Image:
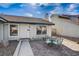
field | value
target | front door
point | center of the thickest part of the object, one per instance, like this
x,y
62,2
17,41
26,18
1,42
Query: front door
x,y
24,31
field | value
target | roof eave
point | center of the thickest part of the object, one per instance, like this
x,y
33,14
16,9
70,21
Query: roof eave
x,y
2,19
31,23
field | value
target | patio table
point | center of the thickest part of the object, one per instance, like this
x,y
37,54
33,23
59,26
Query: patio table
x,y
52,41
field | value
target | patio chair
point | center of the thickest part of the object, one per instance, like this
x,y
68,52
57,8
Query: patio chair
x,y
54,41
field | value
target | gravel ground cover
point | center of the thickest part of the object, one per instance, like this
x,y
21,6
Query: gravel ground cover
x,y
40,48
8,51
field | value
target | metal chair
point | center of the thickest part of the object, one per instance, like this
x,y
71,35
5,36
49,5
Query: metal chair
x,y
54,41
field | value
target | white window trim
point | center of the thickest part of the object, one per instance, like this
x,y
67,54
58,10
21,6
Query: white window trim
x,y
9,29
41,34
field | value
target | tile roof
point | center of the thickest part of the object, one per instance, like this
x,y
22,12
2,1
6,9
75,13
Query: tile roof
x,y
22,19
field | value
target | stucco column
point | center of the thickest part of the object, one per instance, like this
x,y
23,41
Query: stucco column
x,y
1,32
5,35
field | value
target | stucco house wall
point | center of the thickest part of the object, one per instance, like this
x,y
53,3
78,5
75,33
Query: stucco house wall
x,y
65,28
26,28
49,30
23,31
1,31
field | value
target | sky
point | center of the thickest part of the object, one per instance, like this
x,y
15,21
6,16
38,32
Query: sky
x,y
38,10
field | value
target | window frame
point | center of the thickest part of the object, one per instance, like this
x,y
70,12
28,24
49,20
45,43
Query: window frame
x,y
41,30
17,30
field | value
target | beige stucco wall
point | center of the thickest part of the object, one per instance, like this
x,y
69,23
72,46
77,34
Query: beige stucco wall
x,y
27,31
23,31
65,27
49,30
32,33
1,32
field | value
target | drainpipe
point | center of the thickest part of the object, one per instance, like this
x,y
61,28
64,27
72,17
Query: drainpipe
x,y
49,17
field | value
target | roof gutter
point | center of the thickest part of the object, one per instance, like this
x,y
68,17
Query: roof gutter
x,y
30,23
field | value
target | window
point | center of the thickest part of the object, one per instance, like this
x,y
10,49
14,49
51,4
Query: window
x,y
41,30
44,30
13,30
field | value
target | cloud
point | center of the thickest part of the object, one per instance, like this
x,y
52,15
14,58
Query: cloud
x,y
57,10
72,7
33,4
28,14
5,5
38,4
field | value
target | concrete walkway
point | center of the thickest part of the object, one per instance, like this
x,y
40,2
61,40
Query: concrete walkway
x,y
24,49
71,44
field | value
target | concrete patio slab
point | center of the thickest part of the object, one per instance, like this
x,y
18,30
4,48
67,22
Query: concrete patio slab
x,y
40,48
71,44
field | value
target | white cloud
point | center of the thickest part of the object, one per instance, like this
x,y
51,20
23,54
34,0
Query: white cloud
x,y
72,7
38,4
57,10
33,4
28,14
71,10
5,5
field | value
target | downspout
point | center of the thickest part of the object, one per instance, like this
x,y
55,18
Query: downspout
x,y
48,17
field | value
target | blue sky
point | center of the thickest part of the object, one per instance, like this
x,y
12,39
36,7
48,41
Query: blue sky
x,y
38,10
